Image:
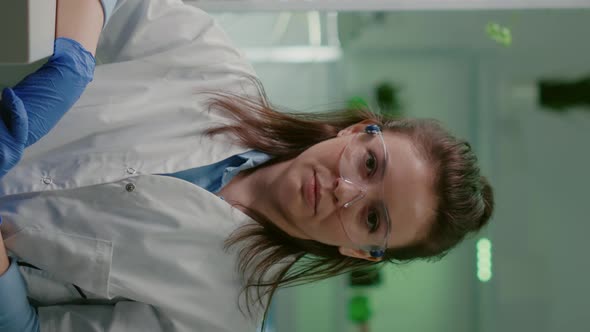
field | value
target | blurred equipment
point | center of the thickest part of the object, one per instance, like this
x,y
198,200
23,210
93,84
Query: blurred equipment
x,y
387,98
359,310
368,276
27,30
560,95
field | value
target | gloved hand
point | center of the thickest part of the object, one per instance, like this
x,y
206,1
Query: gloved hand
x,y
50,92
14,129
35,105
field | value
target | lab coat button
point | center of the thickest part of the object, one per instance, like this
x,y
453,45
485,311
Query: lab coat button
x,y
46,180
131,170
130,187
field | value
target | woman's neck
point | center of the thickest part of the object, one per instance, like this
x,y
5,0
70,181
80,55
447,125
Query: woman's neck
x,y
248,188
257,191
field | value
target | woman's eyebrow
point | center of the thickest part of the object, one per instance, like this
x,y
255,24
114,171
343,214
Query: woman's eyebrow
x,y
384,164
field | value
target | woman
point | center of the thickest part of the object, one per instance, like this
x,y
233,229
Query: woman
x,y
172,170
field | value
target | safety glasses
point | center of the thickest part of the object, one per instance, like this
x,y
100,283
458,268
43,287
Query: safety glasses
x,y
363,215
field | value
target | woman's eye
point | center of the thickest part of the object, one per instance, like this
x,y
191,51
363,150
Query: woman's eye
x,y
371,163
373,221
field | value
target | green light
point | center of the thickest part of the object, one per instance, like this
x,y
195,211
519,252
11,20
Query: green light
x,y
484,244
499,34
483,255
484,260
484,276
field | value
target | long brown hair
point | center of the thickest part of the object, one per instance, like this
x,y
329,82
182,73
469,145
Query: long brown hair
x,y
271,258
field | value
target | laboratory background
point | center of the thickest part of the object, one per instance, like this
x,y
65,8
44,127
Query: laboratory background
x,y
512,77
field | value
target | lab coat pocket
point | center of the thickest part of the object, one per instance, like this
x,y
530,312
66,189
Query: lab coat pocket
x,y
80,260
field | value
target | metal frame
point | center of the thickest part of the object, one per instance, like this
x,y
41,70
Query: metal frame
x,y
380,5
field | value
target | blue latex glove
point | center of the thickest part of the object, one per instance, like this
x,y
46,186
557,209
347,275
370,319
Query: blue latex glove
x,y
14,129
35,105
50,92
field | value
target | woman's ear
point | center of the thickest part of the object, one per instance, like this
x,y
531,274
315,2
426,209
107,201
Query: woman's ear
x,y
357,253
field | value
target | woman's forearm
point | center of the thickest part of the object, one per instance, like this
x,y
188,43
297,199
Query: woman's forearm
x,y
80,20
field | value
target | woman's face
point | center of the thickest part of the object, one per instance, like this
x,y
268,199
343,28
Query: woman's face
x,y
406,193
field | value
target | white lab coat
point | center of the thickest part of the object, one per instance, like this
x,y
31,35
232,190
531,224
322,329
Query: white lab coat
x,y
86,205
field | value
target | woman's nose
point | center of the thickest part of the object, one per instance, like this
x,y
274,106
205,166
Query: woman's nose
x,y
348,193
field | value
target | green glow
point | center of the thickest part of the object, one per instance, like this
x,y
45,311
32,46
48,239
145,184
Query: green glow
x,y
484,276
484,244
499,34
484,260
483,255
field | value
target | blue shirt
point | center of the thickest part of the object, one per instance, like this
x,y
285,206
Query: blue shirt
x,y
215,176
16,314
107,9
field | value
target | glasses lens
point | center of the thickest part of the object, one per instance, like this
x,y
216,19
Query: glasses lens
x,y
363,213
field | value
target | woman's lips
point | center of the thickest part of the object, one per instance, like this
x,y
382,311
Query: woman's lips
x,y
310,193
317,192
